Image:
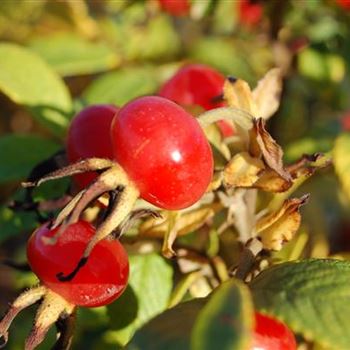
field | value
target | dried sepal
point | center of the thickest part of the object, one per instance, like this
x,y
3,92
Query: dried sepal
x,y
267,94
51,309
23,301
279,227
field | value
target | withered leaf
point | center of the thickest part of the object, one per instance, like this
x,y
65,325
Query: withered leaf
x,y
280,226
270,181
271,152
237,93
267,93
242,170
185,223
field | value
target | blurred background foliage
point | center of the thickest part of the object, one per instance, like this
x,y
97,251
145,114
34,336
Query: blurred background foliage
x,y
58,56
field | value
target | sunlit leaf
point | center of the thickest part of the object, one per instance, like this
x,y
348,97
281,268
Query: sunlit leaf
x,y
267,93
29,81
70,54
121,86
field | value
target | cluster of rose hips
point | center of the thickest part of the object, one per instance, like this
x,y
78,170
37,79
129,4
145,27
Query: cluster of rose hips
x,y
151,148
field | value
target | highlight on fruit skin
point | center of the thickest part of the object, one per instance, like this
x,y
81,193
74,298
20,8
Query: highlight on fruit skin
x,y
102,280
161,154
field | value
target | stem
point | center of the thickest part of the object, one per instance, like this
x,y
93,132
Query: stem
x,y
65,326
243,118
247,258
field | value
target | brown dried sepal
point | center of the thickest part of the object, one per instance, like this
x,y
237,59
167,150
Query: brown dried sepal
x,y
52,308
276,228
264,146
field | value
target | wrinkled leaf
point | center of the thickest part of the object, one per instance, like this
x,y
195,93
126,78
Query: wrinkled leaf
x,y
226,321
267,93
20,153
341,158
280,226
311,296
27,80
271,152
71,54
150,286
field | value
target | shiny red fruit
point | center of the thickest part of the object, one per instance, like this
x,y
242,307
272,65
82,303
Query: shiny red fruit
x,y
99,282
89,136
270,334
195,84
198,84
164,151
345,4
175,7
249,12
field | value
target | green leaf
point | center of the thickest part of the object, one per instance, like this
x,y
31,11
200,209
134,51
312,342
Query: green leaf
x,y
341,160
311,296
70,54
171,330
147,295
27,80
121,86
14,223
19,154
226,321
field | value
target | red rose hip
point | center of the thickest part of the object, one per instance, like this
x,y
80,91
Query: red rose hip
x,y
197,84
99,282
89,136
271,334
164,151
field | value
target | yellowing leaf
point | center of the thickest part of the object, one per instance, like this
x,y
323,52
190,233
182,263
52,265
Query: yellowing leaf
x,y
267,93
237,93
242,170
278,227
185,223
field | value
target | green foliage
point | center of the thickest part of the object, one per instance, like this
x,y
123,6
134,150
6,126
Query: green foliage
x,y
222,320
311,296
226,321
20,153
27,80
147,295
70,54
